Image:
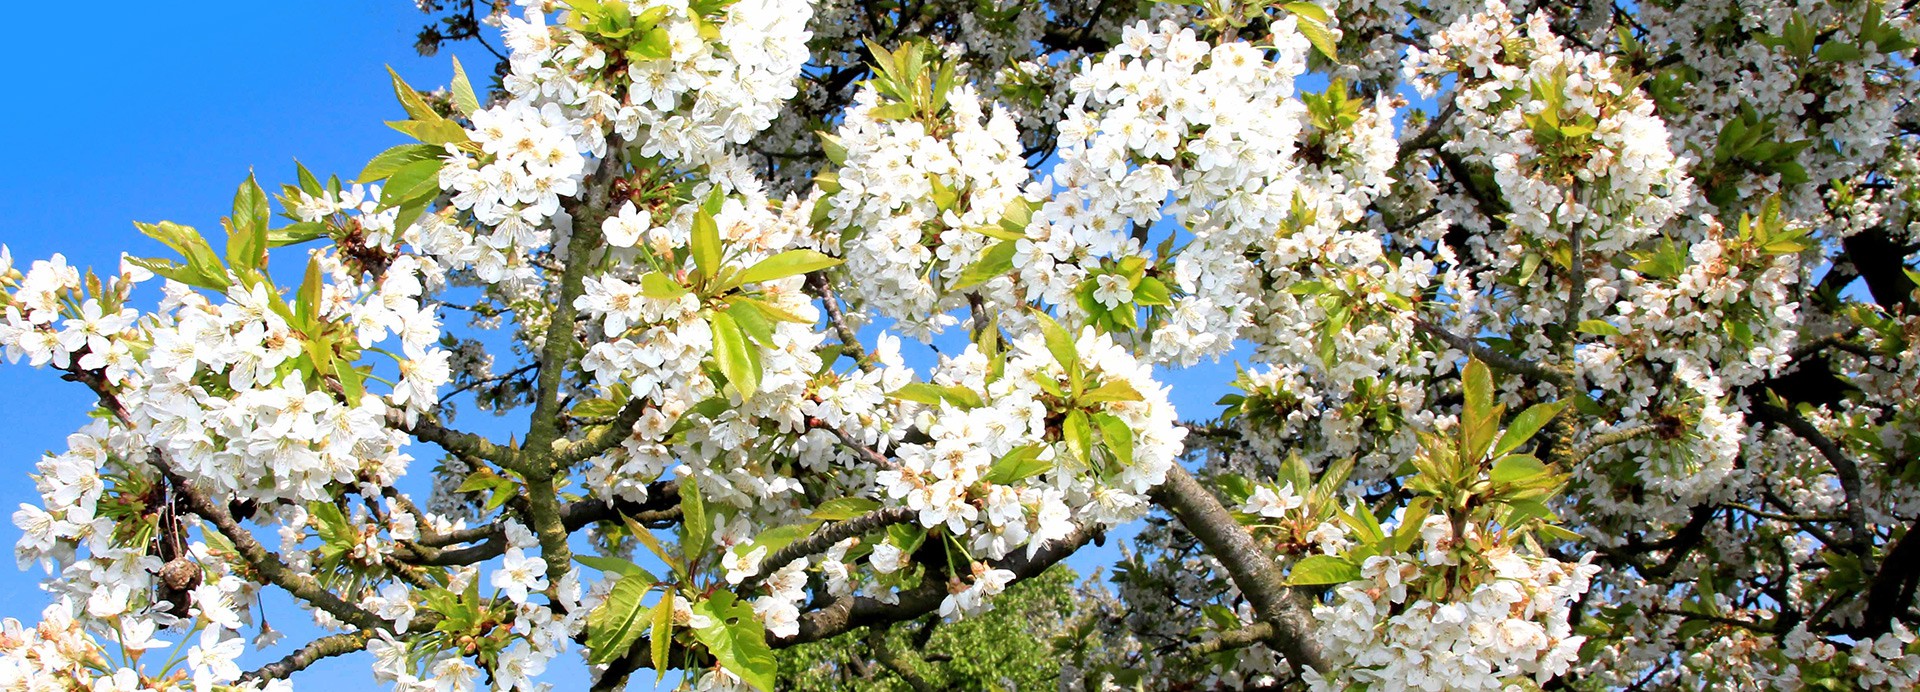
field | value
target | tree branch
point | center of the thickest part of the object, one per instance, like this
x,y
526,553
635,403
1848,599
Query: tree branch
x,y
322,648
1233,639
824,538
1843,466
1538,371
1249,566
428,428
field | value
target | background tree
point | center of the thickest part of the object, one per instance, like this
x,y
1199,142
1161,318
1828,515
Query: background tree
x,y
1595,372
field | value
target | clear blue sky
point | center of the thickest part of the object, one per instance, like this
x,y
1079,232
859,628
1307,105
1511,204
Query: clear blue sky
x,y
155,111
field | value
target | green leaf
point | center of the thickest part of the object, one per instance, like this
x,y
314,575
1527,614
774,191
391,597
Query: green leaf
x,y
1517,468
659,286
1077,432
1060,343
695,525
835,150
786,264
780,537
434,132
1152,291
706,244
1477,418
417,180
733,354
1364,523
1320,36
933,394
769,310
995,263
463,97
1018,464
646,538
706,410
1597,328
296,233
1111,390
392,160
614,565
1117,436
736,640
1319,570
753,323
656,44
1838,51
615,625
410,100
1526,425
844,508
1307,10
662,634
998,233
247,228
202,267
596,408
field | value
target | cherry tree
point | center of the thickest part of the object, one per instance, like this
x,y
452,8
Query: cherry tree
x,y
1578,349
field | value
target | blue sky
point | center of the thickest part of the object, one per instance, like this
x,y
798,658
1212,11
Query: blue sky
x,y
156,111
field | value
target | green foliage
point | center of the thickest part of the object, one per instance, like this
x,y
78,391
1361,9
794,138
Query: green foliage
x,y
1008,648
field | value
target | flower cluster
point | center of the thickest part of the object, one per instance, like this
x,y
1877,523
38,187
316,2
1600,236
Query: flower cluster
x,y
910,200
1383,633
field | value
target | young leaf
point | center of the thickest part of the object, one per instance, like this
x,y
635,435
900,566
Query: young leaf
x,y
1477,418
392,160
735,638
706,244
731,353
844,508
1151,292
786,264
614,565
1319,35
463,97
1118,437
1111,390
1077,432
416,107
1016,465
646,538
1319,570
662,636
1060,343
995,263
1526,425
696,525
247,229
613,627
1517,469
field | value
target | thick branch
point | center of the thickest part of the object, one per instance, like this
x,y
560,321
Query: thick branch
x,y
601,438
1233,639
844,614
661,506
1843,466
1604,440
819,541
460,444
1538,371
324,647
1252,570
558,339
